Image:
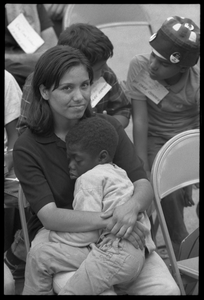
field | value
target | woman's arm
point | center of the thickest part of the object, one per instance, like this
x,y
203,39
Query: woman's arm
x,y
60,219
125,215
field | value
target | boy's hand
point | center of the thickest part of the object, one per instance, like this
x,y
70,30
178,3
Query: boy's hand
x,y
188,200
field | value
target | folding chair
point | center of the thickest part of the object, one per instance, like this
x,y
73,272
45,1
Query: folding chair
x,y
129,38
126,25
98,14
59,279
176,165
188,262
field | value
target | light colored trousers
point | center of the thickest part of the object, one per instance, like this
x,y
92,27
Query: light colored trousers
x,y
46,259
111,263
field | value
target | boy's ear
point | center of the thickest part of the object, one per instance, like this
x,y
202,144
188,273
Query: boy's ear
x,y
183,69
104,157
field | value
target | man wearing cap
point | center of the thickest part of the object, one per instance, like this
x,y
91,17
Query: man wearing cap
x,y
164,90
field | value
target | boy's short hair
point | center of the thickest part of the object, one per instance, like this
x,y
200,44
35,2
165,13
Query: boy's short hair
x,y
93,135
178,40
89,39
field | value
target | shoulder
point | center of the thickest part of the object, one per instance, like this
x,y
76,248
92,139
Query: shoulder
x,y
109,75
139,62
110,119
195,72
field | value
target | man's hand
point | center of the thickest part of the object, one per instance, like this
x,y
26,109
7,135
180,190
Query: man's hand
x,y
188,200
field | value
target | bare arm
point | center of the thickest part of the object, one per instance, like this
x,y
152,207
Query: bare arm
x,y
59,219
12,135
125,215
122,119
140,130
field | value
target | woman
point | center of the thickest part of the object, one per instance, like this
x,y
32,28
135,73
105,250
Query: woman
x,y
61,88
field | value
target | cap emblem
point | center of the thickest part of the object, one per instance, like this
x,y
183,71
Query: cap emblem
x,y
189,26
175,57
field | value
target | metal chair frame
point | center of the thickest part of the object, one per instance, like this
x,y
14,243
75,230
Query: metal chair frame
x,y
176,165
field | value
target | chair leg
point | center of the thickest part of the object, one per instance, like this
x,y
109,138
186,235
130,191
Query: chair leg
x,y
153,232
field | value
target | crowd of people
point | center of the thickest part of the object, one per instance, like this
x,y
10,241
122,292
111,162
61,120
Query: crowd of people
x,y
87,184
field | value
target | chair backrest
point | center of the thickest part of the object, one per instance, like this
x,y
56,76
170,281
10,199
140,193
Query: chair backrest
x,y
126,25
22,204
176,165
190,246
98,14
128,39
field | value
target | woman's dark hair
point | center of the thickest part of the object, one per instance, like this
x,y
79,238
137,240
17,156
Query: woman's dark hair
x,y
93,135
49,69
89,39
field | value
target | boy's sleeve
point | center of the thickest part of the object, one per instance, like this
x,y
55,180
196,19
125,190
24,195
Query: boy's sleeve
x,y
132,91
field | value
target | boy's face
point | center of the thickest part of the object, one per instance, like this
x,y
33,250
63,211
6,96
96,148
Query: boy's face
x,y
98,69
80,161
161,69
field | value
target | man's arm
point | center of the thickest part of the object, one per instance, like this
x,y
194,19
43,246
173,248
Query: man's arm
x,y
140,130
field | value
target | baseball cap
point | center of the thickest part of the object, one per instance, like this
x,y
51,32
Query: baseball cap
x,y
178,40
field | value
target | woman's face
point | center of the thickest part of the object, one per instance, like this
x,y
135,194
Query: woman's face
x,y
69,101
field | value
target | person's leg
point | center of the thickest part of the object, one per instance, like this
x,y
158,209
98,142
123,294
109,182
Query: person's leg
x,y
172,205
154,279
104,267
9,283
45,259
173,209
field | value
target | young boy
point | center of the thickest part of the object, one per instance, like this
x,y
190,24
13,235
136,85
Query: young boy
x,y
100,186
164,91
97,47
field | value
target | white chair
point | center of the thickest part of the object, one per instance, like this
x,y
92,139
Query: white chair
x,y
98,14
129,38
126,25
60,279
176,165
188,262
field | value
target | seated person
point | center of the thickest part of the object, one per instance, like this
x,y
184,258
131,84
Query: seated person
x,y
17,62
60,73
100,186
12,101
9,282
56,13
170,107
97,47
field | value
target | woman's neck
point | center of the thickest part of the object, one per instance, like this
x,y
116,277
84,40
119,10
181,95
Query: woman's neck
x,y
61,129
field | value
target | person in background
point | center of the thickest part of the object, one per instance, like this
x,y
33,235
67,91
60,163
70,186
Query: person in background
x,y
56,13
9,282
97,47
17,62
100,186
164,87
61,98
12,100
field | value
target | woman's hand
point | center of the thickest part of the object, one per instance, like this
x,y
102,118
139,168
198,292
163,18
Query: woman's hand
x,y
122,220
188,200
137,236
